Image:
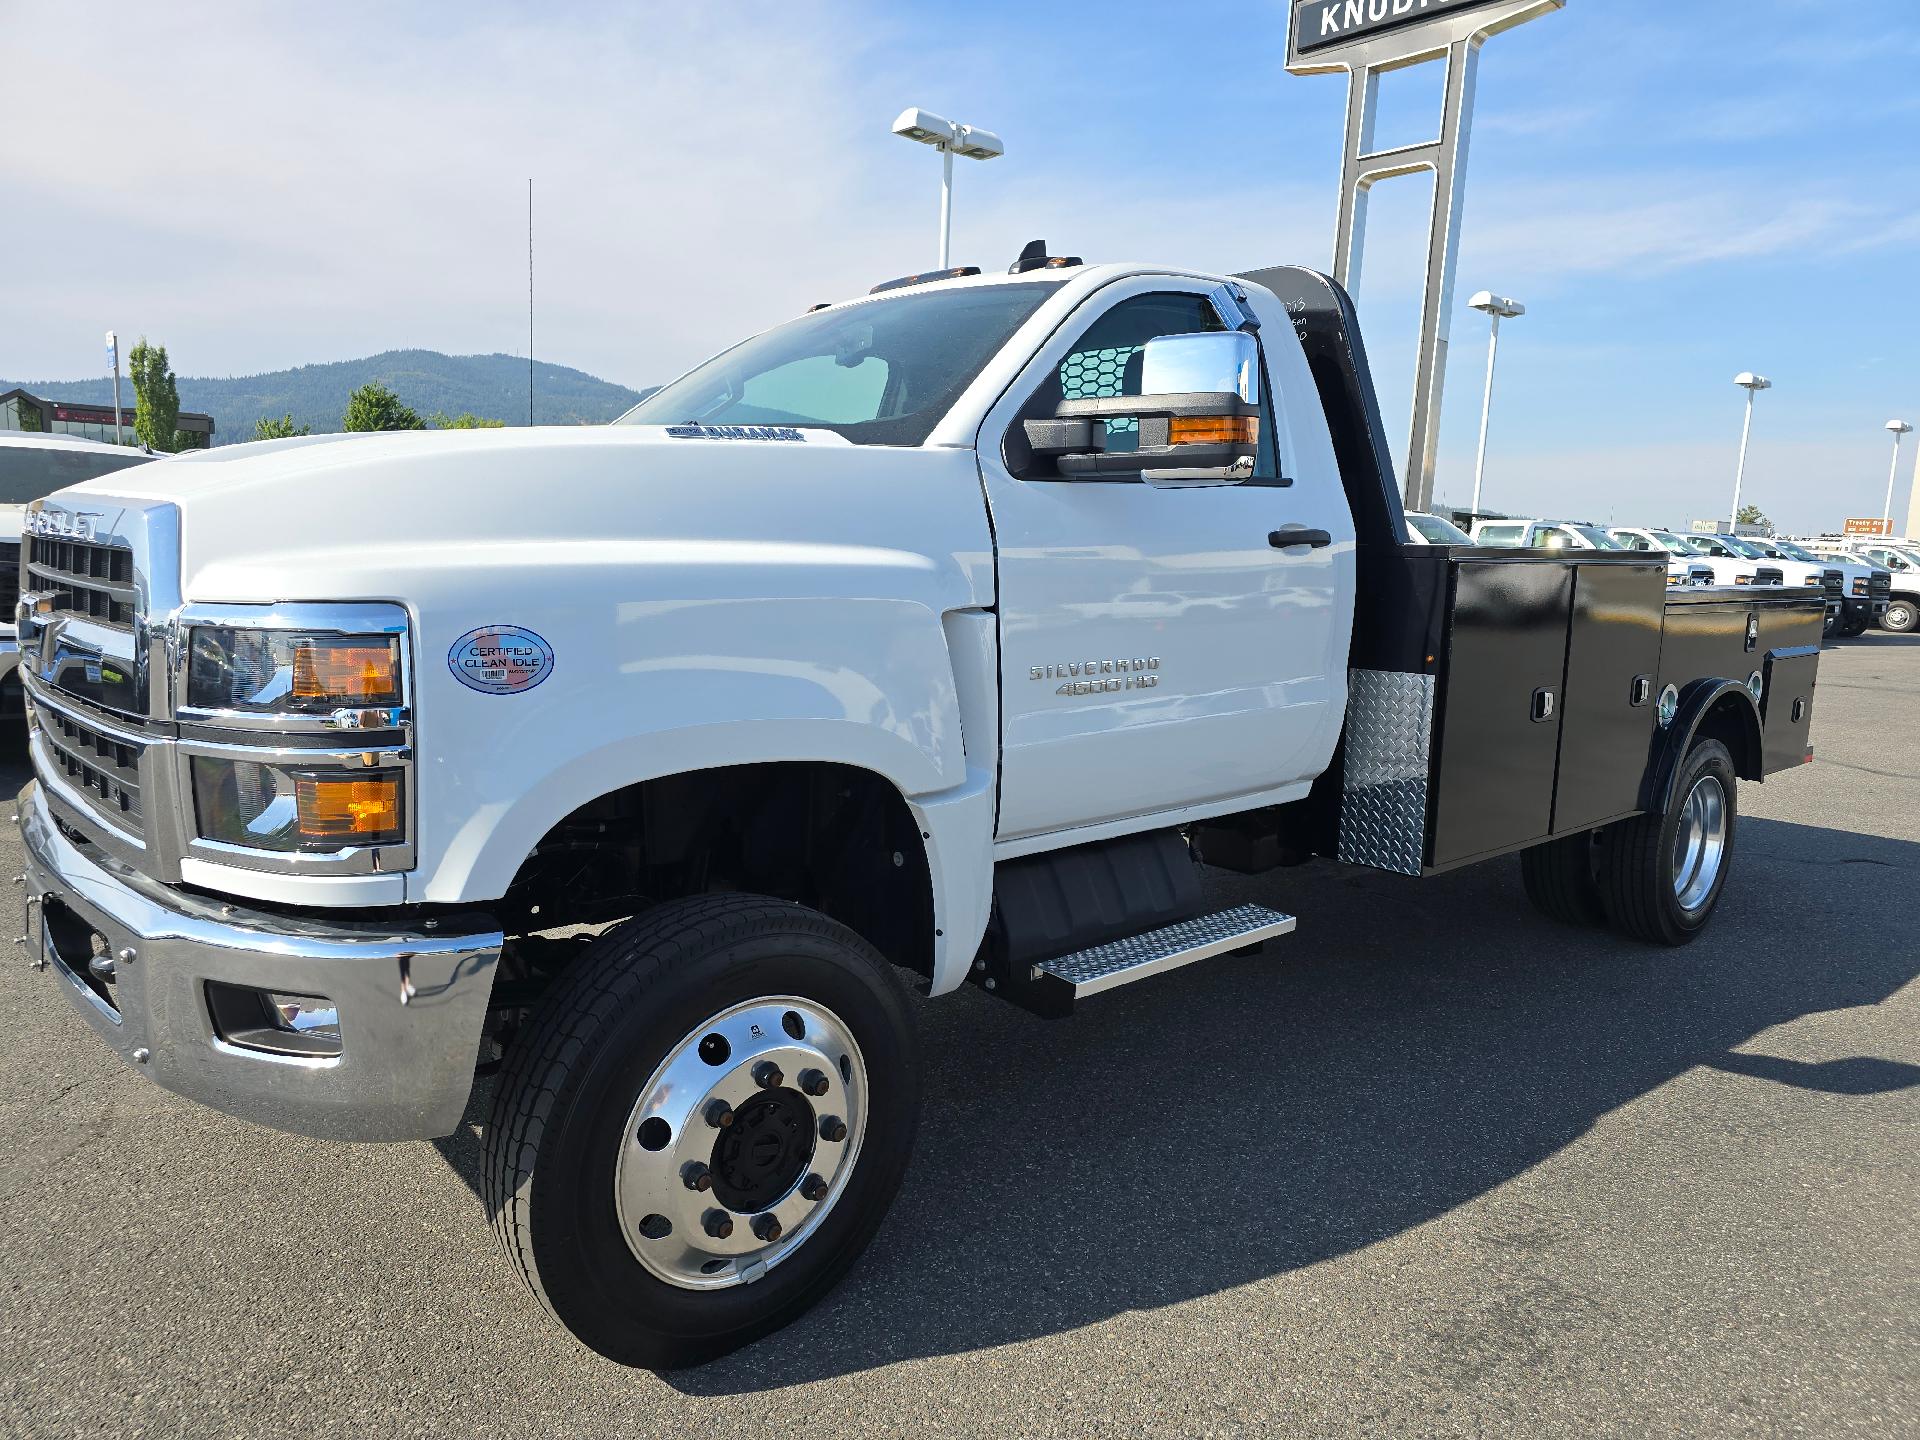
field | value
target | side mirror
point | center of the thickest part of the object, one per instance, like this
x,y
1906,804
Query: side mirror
x,y
1199,416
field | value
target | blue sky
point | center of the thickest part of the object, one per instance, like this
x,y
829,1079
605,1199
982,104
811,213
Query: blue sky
x,y
1677,190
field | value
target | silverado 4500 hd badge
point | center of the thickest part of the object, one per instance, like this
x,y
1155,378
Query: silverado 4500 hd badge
x,y
1101,677
500,660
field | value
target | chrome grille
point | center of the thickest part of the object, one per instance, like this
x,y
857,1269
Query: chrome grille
x,y
84,578
103,767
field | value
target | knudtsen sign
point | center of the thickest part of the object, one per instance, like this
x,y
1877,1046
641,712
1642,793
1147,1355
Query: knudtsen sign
x,y
1318,24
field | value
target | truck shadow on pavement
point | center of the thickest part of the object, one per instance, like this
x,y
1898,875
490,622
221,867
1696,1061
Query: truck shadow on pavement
x,y
1414,1046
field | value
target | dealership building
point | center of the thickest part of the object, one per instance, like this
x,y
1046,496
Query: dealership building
x,y
21,411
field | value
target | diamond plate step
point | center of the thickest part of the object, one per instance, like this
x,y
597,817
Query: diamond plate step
x,y
1121,962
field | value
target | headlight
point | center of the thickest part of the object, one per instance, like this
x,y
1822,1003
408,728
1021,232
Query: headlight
x,y
292,808
284,672
1859,587
1743,579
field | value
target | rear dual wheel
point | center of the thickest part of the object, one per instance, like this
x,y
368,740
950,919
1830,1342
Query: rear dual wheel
x,y
1656,877
702,1126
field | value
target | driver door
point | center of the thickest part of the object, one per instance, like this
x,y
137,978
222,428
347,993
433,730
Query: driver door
x,y
1159,655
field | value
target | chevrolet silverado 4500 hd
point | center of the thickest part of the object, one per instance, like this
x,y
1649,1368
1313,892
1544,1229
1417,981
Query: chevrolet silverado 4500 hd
x,y
947,631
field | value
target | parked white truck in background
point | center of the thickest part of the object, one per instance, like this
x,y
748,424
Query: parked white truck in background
x,y
951,629
1895,569
1861,588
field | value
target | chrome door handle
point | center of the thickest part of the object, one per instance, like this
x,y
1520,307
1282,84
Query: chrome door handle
x,y
1287,537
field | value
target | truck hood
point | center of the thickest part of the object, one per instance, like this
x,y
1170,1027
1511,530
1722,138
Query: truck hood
x,y
372,516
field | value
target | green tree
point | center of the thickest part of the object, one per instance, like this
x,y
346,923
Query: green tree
x,y
266,428
1753,515
374,407
440,420
156,397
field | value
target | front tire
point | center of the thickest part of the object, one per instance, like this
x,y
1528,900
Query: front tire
x,y
1661,875
648,1225
1902,616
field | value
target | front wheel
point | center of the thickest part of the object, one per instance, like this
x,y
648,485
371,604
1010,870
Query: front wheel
x,y
1902,616
703,1126
1661,875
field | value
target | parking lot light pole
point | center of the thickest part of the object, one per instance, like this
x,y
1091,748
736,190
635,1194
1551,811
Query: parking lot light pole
x,y
1901,429
1499,308
1753,384
923,127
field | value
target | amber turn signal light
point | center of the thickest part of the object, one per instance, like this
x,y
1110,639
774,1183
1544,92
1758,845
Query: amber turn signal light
x,y
1213,430
333,670
345,809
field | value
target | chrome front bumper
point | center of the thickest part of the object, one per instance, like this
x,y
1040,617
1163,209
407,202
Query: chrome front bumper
x,y
404,1070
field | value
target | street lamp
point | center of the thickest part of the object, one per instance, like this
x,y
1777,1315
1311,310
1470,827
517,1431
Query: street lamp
x,y
926,128
1901,429
1753,384
1499,308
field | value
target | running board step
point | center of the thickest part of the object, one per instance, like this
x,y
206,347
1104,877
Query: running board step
x,y
1121,962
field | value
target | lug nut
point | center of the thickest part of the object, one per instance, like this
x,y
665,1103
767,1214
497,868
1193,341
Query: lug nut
x,y
832,1127
697,1177
813,1188
767,1075
767,1227
813,1082
718,1224
719,1114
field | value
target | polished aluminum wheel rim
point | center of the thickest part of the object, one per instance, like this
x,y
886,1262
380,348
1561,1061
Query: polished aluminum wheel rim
x,y
671,1142
1700,843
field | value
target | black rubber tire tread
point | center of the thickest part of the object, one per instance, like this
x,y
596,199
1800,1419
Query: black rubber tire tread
x,y
617,974
1559,880
1636,857
1899,607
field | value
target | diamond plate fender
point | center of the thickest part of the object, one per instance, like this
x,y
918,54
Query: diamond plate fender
x,y
1383,800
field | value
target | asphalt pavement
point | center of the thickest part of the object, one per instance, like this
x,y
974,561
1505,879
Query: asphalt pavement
x,y
1430,1167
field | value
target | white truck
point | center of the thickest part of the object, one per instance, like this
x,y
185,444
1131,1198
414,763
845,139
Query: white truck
x,y
1861,588
1729,567
1895,571
948,631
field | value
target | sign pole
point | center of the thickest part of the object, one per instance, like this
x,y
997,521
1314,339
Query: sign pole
x,y
1366,39
113,357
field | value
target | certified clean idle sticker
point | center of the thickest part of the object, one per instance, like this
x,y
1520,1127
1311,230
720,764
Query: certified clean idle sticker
x,y
500,659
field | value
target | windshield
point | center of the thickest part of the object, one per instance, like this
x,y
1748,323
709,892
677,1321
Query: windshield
x,y
1436,531
28,472
1788,551
1672,543
879,372
1600,538
1745,549
1708,545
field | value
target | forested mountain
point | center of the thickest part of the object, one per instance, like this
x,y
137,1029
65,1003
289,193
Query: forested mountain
x,y
492,386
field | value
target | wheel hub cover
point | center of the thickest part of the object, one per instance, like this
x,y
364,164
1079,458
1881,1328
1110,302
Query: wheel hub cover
x,y
762,1155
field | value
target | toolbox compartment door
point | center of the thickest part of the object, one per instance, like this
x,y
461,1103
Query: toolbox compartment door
x,y
1786,712
1505,664
1613,659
